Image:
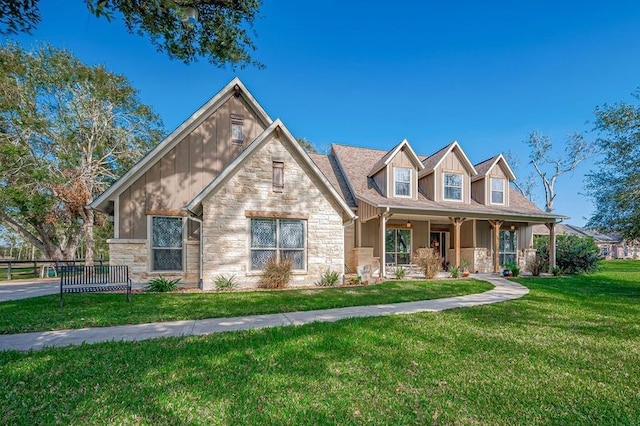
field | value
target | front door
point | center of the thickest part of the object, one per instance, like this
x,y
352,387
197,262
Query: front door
x,y
438,241
398,246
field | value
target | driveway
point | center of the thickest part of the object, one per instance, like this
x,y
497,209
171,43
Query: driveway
x,y
22,289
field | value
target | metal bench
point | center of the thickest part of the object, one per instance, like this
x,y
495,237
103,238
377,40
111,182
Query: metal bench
x,y
84,279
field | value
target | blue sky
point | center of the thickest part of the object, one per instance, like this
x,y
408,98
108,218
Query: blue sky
x,y
369,73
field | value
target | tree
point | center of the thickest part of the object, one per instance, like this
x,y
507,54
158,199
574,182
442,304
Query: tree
x,y
307,145
615,185
221,32
549,164
526,186
67,131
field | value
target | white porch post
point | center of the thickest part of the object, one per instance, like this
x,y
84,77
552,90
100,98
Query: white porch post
x,y
552,245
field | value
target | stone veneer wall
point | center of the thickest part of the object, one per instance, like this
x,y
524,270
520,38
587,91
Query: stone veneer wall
x,y
226,237
135,254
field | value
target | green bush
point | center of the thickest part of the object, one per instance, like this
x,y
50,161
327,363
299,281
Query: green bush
x,y
162,285
276,274
222,282
454,271
574,255
399,273
514,268
328,279
429,261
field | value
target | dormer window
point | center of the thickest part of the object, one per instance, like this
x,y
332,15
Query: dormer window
x,y
402,182
497,191
453,186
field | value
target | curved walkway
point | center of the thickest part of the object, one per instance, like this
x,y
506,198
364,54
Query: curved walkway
x,y
504,290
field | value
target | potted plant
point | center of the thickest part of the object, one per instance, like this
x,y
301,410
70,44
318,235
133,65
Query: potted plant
x,y
464,268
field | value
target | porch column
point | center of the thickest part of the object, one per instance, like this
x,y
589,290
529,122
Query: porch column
x,y
457,222
383,255
496,224
358,242
552,245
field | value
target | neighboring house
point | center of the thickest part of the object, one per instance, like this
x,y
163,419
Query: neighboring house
x,y
612,246
231,188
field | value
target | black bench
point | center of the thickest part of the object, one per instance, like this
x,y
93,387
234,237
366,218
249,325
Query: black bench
x,y
83,279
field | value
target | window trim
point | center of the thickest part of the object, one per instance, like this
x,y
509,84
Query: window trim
x,y
504,192
278,249
410,182
151,248
444,187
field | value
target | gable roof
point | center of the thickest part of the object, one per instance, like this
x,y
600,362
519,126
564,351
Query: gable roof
x,y
329,166
483,168
285,137
234,88
433,161
386,159
356,161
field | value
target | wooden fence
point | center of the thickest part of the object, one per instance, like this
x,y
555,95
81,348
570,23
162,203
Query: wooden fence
x,y
16,269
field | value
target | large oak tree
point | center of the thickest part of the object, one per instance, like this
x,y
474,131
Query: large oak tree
x,y
67,131
222,31
615,184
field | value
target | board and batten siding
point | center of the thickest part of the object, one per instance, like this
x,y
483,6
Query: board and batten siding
x,y
497,172
185,170
452,163
401,159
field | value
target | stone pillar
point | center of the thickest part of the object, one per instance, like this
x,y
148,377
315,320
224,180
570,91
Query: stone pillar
x,y
496,224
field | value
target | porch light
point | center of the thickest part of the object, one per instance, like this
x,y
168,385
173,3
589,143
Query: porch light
x,y
512,228
409,224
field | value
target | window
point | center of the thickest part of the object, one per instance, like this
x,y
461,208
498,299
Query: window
x,y
497,191
402,182
277,239
278,176
398,247
453,186
166,243
508,247
237,136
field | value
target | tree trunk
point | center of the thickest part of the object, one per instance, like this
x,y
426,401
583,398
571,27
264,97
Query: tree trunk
x,y
88,236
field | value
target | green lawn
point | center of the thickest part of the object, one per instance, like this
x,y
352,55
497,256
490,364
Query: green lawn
x,y
93,310
567,353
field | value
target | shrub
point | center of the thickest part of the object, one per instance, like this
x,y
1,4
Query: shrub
x,y
429,261
454,271
222,282
400,273
162,285
329,279
464,265
536,266
556,271
514,268
356,280
276,274
574,255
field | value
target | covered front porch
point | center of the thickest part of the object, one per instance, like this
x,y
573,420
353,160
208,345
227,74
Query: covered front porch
x,y
384,238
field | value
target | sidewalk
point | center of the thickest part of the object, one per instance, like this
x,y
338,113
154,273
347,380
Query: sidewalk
x,y
504,290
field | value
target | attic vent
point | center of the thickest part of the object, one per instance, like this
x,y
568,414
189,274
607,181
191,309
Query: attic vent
x,y
237,136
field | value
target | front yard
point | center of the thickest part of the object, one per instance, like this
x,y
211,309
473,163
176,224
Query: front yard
x,y
99,310
567,353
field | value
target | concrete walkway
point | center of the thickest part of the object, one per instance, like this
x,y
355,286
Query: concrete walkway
x,y
504,290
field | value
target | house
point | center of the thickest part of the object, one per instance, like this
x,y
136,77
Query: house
x,y
231,188
612,246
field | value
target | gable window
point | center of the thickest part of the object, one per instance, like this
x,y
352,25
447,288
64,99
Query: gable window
x,y
237,136
277,239
402,182
166,243
278,176
453,186
497,191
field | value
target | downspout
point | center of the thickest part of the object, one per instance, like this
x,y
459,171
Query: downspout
x,y
192,216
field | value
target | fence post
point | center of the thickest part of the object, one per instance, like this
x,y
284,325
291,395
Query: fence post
x,y
9,271
35,268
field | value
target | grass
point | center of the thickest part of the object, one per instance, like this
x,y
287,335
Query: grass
x,y
18,273
97,310
567,353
